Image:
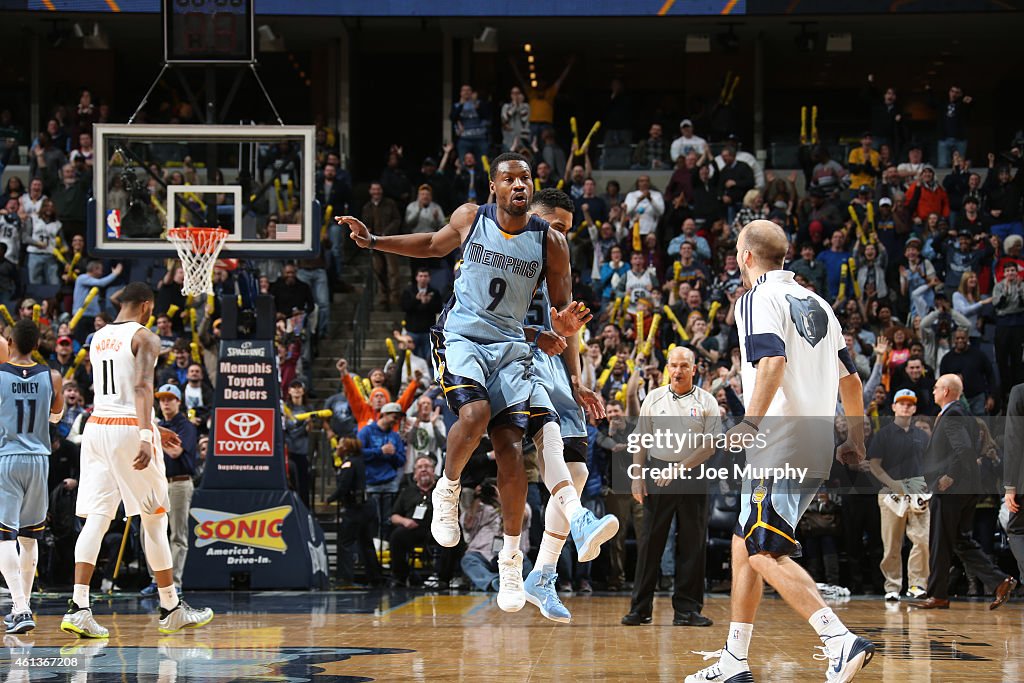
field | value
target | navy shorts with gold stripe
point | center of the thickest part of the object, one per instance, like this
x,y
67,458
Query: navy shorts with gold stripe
x,y
23,495
498,373
769,512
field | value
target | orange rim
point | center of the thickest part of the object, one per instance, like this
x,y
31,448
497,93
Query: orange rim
x,y
203,240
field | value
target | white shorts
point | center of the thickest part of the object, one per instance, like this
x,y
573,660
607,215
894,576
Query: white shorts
x,y
108,477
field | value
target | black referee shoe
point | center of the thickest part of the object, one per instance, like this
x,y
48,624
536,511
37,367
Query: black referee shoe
x,y
691,619
635,619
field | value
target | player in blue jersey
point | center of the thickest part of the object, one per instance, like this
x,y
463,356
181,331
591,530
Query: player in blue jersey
x,y
560,434
480,346
31,398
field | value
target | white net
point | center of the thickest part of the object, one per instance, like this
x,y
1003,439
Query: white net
x,y
198,249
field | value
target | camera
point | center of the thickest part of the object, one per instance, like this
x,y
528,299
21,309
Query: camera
x,y
488,493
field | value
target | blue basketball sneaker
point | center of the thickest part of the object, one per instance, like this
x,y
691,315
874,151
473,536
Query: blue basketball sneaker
x,y
540,586
589,532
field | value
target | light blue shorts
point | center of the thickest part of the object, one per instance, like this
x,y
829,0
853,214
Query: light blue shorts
x,y
552,391
24,498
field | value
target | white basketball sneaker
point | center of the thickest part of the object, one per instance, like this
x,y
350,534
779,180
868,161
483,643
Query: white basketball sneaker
x,y
728,669
511,593
846,654
444,524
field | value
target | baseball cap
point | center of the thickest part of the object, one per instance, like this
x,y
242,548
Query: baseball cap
x,y
913,239
429,161
864,189
965,233
391,408
885,201
64,339
28,303
905,395
686,122
168,391
927,167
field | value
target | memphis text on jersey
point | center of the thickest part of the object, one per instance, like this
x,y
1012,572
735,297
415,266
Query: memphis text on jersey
x,y
485,257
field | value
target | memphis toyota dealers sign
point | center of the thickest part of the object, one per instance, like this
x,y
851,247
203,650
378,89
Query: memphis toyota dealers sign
x,y
247,442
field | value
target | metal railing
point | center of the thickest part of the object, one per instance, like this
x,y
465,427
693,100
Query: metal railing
x,y
361,322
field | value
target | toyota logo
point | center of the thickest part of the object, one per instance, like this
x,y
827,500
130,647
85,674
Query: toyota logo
x,y
244,425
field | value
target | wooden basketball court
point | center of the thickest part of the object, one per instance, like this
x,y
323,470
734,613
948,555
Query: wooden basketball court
x,y
410,636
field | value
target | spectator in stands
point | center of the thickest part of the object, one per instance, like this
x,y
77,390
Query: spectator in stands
x,y
421,304
424,433
515,122
334,195
836,261
886,117
384,455
64,355
811,268
1008,301
915,273
394,182
359,521
69,199
381,217
342,423
470,182
482,526
863,163
688,233
652,153
296,438
828,174
42,266
753,209
46,160
891,187
542,99
612,272
687,142
970,218
975,371
925,196
735,179
313,272
909,169
1004,197
1013,474
290,293
181,463
197,396
590,208
952,121
645,205
368,411
913,378
8,277
470,117
1011,253
93,277
424,215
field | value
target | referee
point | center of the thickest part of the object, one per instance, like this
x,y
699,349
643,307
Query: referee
x,y
675,407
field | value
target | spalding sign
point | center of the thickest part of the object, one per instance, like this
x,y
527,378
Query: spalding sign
x,y
244,431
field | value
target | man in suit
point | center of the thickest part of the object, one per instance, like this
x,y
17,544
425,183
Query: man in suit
x,y
951,471
1013,472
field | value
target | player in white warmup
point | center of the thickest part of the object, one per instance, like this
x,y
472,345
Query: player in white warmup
x,y
794,363
122,461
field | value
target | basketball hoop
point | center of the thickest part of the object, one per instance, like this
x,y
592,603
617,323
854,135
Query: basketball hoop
x,y
198,249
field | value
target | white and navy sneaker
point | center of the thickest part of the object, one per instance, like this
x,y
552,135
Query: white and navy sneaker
x,y
22,622
540,588
9,620
589,532
846,654
728,669
444,524
183,616
916,592
511,594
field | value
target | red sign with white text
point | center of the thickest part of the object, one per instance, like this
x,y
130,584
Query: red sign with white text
x,y
244,431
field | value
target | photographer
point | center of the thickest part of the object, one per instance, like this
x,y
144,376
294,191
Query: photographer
x,y
937,330
482,527
410,516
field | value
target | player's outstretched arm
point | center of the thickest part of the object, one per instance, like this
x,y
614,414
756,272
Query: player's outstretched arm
x,y
567,316
57,406
418,245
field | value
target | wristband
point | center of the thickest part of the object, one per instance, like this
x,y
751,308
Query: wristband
x,y
373,241
146,435
751,424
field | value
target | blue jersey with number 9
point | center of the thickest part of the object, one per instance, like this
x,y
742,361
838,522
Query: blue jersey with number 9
x,y
496,280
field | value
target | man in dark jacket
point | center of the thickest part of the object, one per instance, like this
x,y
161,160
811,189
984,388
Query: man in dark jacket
x,y
410,517
1013,472
975,369
382,217
359,521
734,179
951,471
421,304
